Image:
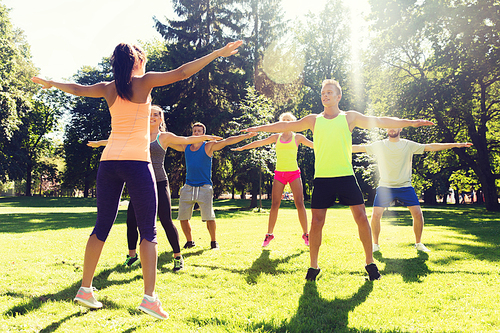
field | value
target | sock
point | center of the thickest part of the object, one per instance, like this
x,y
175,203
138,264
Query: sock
x,y
87,290
150,298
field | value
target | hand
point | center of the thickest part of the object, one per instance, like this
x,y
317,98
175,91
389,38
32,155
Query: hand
x,y
93,144
45,84
464,145
230,49
421,122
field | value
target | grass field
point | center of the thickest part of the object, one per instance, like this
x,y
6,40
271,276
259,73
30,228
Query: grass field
x,y
245,288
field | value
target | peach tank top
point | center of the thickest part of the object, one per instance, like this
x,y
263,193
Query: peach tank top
x,y
129,139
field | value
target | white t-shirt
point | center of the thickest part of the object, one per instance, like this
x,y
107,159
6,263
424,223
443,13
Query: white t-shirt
x,y
394,160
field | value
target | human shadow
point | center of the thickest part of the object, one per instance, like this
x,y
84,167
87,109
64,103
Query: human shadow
x,y
316,314
101,281
262,265
466,220
411,269
55,325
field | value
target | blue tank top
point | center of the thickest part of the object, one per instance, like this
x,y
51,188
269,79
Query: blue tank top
x,y
198,167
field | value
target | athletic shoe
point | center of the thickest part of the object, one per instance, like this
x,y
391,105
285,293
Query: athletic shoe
x,y
178,263
305,237
87,299
373,273
421,247
214,245
131,261
376,248
153,308
312,273
189,244
267,240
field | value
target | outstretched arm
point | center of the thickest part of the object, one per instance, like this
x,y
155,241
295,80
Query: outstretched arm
x,y
358,149
284,126
96,144
229,141
259,143
95,90
443,146
157,79
170,139
356,119
305,141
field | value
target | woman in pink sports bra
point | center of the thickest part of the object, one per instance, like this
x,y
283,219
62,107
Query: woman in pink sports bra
x,y
287,171
126,159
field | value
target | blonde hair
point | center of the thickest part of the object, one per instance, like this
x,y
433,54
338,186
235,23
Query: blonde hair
x,y
287,116
200,125
163,126
334,83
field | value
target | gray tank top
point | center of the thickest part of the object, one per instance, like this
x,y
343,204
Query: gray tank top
x,y
158,160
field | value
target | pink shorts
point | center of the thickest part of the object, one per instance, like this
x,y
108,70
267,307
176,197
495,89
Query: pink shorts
x,y
286,177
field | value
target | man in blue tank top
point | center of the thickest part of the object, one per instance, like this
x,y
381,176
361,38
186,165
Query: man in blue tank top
x,y
198,187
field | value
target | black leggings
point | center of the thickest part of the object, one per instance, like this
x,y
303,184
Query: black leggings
x,y
165,213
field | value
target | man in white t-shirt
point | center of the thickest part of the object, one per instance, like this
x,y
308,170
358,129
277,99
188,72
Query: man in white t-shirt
x,y
394,159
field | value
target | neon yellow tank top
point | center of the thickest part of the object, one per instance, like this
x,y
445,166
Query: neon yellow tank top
x,y
286,155
332,147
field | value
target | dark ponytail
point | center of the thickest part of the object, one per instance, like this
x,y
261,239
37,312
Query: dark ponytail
x,y
122,61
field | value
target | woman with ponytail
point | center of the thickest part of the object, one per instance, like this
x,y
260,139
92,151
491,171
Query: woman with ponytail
x,y
126,159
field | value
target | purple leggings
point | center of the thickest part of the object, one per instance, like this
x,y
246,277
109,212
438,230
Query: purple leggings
x,y
165,214
139,177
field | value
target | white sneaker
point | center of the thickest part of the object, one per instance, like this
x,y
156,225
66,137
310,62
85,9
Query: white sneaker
x,y
376,248
421,247
87,299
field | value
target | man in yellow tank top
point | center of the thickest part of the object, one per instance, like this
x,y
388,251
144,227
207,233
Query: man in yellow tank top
x,y
334,176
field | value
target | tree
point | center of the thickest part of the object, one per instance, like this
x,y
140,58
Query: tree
x,y
440,60
89,120
252,166
208,96
16,93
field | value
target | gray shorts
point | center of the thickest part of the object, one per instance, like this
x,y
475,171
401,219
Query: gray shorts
x,y
203,195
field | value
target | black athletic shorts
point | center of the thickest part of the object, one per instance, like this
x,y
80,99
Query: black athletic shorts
x,y
327,190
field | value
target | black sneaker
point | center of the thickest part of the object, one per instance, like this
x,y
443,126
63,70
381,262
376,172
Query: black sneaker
x,y
131,261
189,244
178,263
373,273
312,273
214,245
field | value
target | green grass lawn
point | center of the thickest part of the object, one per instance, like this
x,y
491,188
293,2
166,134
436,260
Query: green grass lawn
x,y
245,288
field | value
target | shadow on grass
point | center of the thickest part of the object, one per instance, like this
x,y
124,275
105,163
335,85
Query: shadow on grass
x,y
262,265
46,202
101,281
411,270
466,220
21,223
316,314
55,325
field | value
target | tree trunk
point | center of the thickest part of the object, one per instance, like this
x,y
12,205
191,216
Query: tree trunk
x,y
430,196
27,191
